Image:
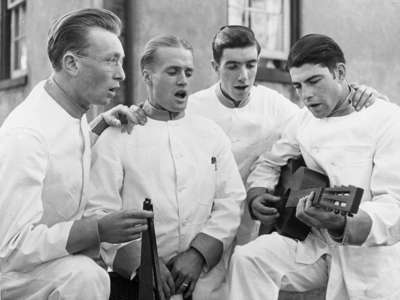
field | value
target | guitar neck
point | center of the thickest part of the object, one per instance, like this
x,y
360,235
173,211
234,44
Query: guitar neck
x,y
345,200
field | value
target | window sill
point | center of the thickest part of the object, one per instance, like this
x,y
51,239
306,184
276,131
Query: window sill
x,y
6,84
273,75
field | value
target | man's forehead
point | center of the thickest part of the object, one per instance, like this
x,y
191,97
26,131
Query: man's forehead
x,y
308,70
174,57
102,40
239,54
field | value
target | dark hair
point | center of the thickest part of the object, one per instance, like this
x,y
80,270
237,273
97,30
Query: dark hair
x,y
233,36
69,32
315,49
148,55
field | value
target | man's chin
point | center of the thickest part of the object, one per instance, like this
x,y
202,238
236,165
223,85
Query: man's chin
x,y
318,115
105,101
240,96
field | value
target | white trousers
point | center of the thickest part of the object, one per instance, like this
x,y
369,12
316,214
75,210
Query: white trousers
x,y
266,265
70,277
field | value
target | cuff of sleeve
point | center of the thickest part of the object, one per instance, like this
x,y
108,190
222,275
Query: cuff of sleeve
x,y
84,238
340,238
251,195
98,125
127,259
209,247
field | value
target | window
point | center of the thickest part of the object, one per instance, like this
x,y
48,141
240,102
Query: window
x,y
13,50
17,38
275,24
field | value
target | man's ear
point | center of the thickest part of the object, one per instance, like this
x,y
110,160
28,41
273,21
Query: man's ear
x,y
215,65
341,71
70,64
147,76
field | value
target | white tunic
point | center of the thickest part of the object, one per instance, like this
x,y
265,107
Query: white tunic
x,y
187,169
44,166
360,149
252,128
44,171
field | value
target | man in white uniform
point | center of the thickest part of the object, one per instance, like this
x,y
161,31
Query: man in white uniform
x,y
354,257
185,166
253,116
45,246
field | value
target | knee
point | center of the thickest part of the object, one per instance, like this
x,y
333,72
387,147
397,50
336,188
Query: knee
x,y
85,274
90,273
265,246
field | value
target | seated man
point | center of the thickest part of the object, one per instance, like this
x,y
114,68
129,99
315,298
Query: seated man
x,y
240,107
355,257
185,166
45,245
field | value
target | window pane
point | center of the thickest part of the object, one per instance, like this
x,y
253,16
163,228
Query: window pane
x,y
270,21
237,12
267,23
23,60
18,42
16,22
16,65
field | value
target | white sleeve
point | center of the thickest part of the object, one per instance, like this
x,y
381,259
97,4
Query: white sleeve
x,y
24,242
284,110
266,169
384,209
230,194
106,180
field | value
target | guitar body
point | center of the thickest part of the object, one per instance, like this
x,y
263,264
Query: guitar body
x,y
295,182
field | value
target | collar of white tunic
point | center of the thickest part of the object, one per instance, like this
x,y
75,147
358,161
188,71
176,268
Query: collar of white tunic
x,y
58,94
228,101
160,114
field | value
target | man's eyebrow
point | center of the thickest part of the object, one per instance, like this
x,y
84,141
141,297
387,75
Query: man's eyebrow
x,y
312,77
238,62
179,67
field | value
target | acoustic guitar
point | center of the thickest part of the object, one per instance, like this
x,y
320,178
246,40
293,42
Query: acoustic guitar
x,y
297,181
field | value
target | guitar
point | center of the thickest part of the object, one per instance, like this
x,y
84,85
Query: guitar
x,y
297,181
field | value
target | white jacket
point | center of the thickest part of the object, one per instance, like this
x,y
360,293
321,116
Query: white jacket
x,y
185,166
44,171
358,149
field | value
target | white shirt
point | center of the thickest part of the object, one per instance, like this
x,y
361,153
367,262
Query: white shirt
x,y
252,127
359,149
184,166
44,166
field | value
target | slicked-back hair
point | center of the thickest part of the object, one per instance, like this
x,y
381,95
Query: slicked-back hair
x,y
233,36
69,32
315,49
149,53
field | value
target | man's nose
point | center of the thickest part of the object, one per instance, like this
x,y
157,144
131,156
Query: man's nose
x,y
119,73
182,79
244,74
306,93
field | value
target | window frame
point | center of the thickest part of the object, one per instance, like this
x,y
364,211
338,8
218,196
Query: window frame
x,y
248,12
16,8
9,79
279,75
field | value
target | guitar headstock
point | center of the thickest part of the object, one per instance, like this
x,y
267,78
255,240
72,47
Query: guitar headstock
x,y
343,200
